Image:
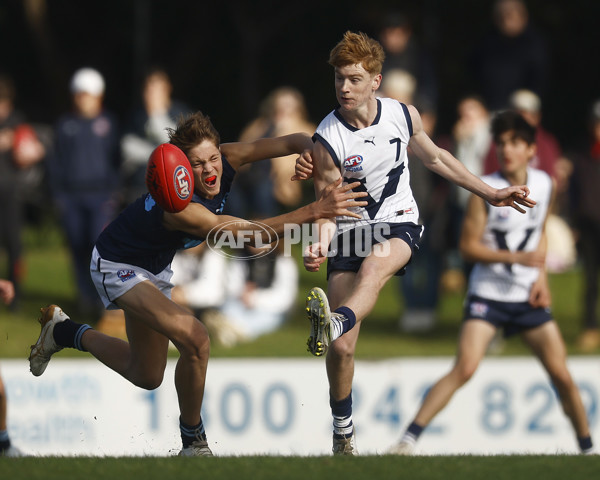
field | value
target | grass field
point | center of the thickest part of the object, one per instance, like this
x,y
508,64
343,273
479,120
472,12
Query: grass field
x,y
313,468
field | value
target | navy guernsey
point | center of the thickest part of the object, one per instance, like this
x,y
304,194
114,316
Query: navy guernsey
x,y
138,237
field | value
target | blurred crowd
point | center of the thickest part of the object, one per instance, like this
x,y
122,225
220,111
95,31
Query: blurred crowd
x,y
89,164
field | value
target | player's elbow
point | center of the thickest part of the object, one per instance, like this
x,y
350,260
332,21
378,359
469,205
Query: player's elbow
x,y
466,251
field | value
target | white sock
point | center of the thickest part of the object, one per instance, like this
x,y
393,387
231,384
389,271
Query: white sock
x,y
343,425
337,325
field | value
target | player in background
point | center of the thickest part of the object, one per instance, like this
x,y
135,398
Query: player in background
x,y
7,294
131,270
365,139
508,286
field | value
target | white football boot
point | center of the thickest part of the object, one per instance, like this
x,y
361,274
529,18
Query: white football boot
x,y
45,346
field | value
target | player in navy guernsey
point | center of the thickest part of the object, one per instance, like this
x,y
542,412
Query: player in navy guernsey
x,y
365,139
508,286
131,270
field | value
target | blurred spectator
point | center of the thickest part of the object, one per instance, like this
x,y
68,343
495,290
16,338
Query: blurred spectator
x,y
420,285
404,52
7,294
399,84
147,129
512,56
20,151
548,152
586,221
200,279
263,188
261,291
84,175
238,299
473,142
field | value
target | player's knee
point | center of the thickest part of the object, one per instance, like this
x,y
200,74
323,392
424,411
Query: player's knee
x,y
562,379
194,341
464,371
371,275
342,348
150,380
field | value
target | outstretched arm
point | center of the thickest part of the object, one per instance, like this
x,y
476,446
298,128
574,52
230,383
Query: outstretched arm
x,y
335,200
325,171
240,153
445,164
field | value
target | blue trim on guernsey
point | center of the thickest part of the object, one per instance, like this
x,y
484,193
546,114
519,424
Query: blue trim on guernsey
x,y
378,116
352,128
316,137
408,119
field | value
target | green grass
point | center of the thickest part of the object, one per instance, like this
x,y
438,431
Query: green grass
x,y
313,468
49,279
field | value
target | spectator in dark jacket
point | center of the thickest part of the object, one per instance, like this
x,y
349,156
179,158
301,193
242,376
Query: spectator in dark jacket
x,y
84,174
512,56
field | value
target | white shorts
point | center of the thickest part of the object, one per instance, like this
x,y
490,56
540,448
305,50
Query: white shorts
x,y
114,279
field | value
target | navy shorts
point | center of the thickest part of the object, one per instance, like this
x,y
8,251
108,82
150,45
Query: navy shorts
x,y
513,317
348,250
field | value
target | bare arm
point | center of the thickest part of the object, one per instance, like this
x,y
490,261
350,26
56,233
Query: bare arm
x,y
540,295
445,164
196,220
473,250
240,153
324,171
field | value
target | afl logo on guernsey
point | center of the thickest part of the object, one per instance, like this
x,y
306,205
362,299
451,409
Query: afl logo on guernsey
x,y
182,182
353,163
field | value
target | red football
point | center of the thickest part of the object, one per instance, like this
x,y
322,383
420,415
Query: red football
x,y
169,178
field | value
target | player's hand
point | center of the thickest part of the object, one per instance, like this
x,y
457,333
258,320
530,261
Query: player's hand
x,y
530,259
304,166
314,255
336,200
513,197
7,291
540,296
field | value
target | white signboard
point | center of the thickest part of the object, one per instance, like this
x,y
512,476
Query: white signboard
x,y
281,407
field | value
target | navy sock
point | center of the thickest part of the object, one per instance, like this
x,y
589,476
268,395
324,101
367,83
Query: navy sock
x,y
68,334
415,430
342,416
349,314
4,440
190,434
585,443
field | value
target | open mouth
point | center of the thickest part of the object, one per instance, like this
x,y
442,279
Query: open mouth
x,y
210,181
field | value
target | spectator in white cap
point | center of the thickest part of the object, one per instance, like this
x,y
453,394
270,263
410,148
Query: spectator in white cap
x,y
87,80
87,87
84,175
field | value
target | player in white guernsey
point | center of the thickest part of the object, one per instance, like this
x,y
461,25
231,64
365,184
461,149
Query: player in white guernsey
x,y
131,268
365,139
508,286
